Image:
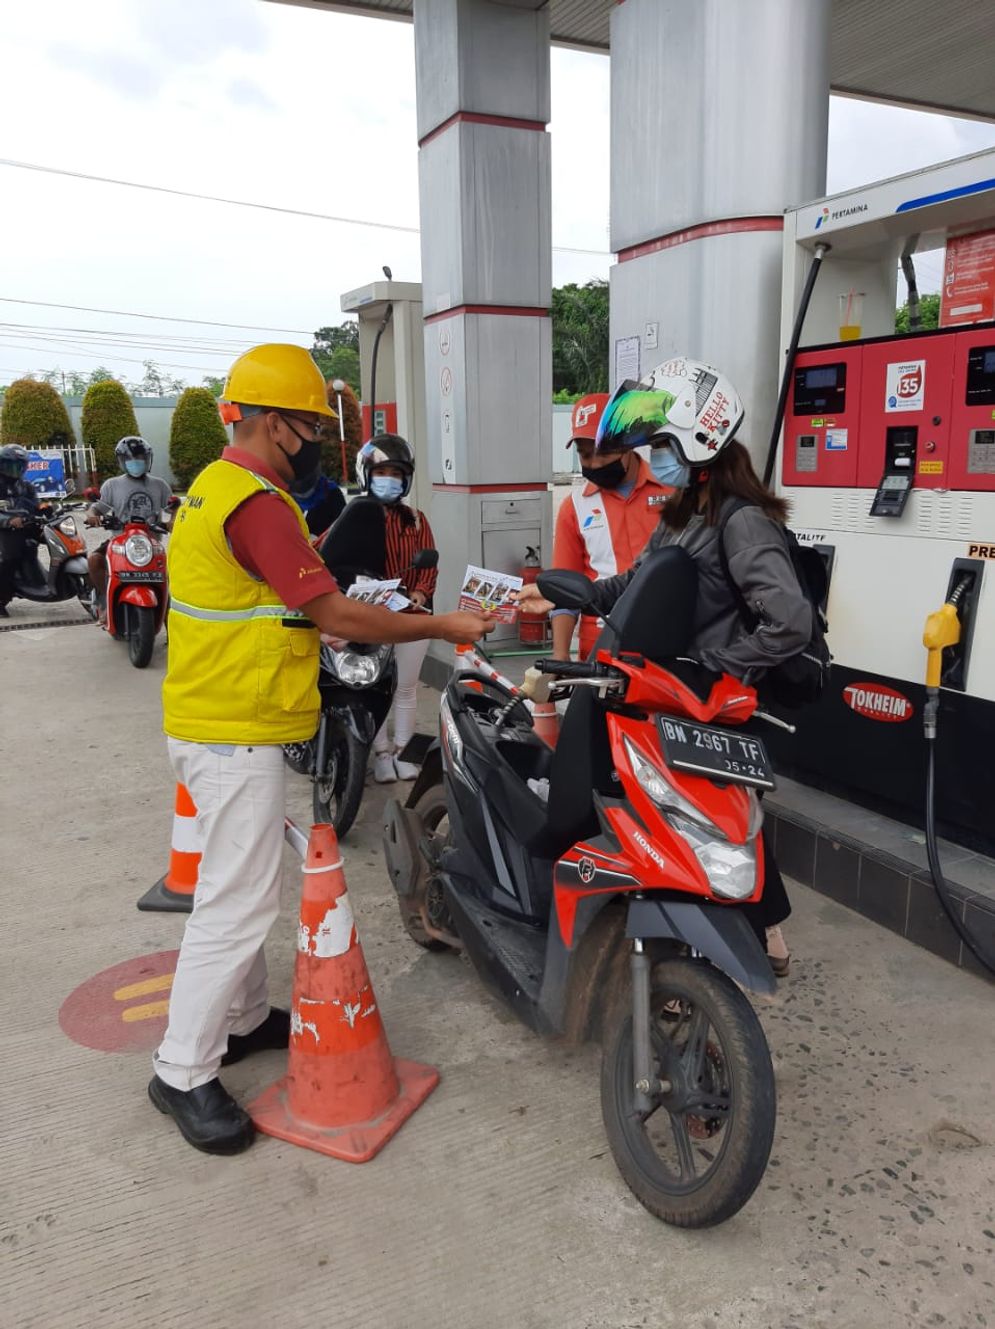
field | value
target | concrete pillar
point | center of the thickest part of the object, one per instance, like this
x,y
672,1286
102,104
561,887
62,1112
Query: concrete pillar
x,y
484,174
719,123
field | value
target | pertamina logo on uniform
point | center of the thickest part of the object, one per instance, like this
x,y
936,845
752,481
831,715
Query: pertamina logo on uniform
x,y
877,702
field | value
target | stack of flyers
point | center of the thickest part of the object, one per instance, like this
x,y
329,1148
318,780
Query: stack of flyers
x,y
378,593
490,592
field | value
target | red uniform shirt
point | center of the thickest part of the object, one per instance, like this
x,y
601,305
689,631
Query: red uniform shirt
x,y
599,532
267,541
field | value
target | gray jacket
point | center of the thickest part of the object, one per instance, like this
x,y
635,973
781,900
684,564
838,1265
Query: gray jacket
x,y
760,566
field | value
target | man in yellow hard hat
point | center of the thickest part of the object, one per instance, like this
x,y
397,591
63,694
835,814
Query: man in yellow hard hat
x,y
249,598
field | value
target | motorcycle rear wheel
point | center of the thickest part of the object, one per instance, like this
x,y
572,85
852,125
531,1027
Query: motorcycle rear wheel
x,y
700,1152
339,792
434,814
141,635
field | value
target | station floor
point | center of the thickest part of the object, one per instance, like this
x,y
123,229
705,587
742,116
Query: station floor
x,y
498,1203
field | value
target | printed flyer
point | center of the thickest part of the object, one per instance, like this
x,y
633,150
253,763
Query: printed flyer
x,y
490,592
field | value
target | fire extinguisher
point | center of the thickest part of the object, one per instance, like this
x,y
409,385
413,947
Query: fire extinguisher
x,y
531,627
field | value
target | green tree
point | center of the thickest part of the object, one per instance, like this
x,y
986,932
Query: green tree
x,y
107,416
328,340
34,415
214,383
157,384
344,363
196,435
580,337
331,448
929,314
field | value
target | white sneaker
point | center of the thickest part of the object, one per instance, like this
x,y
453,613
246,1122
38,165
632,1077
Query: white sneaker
x,y
384,771
406,770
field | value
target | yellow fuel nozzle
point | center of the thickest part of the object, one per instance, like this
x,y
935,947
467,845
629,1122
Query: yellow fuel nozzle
x,y
942,630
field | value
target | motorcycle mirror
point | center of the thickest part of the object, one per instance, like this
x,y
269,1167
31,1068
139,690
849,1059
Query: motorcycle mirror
x,y
70,487
567,590
173,503
426,558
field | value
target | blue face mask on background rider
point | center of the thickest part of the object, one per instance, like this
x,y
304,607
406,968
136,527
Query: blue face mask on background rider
x,y
668,468
136,467
387,488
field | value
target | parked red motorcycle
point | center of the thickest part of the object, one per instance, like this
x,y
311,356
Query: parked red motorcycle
x,y
137,589
611,906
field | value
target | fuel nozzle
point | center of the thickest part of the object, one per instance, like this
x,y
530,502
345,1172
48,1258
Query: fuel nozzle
x,y
942,630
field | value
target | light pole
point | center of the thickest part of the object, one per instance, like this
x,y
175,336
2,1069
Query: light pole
x,y
338,387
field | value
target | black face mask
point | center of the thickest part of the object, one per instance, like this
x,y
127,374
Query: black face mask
x,y
305,463
605,477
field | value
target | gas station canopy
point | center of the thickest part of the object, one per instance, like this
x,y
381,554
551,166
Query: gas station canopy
x,y
911,52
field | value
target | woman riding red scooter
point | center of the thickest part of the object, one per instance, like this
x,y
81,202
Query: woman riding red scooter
x,y
688,413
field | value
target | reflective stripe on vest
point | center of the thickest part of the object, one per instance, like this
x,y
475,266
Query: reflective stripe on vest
x,y
592,523
236,615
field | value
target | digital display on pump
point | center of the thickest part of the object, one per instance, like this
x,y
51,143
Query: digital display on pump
x,y
820,389
980,386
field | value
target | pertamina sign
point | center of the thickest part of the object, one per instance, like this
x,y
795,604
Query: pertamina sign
x,y
877,702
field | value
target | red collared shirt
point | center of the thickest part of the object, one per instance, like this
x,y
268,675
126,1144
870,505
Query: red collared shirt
x,y
267,541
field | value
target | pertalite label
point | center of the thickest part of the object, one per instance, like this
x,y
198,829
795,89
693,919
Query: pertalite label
x,y
877,702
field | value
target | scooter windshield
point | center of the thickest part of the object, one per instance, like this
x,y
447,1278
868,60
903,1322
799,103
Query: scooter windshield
x,y
355,544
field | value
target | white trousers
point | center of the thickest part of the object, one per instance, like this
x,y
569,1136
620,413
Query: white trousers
x,y
409,656
220,985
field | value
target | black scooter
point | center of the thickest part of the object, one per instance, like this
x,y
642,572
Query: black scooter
x,y
357,684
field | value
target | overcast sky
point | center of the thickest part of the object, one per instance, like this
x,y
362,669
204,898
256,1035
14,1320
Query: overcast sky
x,y
282,105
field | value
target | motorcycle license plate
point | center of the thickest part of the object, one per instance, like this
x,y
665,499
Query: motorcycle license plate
x,y
719,754
140,576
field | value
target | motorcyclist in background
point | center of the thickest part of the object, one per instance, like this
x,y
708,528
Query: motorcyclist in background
x,y
135,495
18,504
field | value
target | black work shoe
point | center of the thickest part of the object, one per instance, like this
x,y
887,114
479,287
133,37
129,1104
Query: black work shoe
x,y
274,1032
208,1117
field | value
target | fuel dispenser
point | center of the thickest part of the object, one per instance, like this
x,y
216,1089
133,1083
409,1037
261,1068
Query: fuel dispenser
x,y
887,457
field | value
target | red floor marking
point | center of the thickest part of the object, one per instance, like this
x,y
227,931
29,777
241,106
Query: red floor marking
x,y
121,1009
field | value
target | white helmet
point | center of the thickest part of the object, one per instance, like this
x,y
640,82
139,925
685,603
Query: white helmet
x,y
685,403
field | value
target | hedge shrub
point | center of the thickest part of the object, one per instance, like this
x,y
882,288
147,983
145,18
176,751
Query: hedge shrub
x,y
107,417
35,416
196,435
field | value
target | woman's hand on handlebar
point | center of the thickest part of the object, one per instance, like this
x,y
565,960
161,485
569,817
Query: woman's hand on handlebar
x,y
530,599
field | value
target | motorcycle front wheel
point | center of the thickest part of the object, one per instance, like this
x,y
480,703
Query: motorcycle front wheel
x,y
697,1154
338,791
141,635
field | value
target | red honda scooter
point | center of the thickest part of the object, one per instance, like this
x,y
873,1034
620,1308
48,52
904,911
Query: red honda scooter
x,y
137,589
612,907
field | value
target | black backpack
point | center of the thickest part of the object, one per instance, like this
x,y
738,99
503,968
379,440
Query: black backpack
x,y
799,680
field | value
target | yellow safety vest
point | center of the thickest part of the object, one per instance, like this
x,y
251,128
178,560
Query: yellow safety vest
x,y
242,668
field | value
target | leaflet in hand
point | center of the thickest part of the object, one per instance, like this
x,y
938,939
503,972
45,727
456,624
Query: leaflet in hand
x,y
490,592
371,592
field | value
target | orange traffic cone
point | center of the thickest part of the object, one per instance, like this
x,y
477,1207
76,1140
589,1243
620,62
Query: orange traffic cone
x,y
174,892
344,1094
546,721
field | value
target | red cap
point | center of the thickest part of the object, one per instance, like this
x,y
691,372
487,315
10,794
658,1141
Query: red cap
x,y
586,416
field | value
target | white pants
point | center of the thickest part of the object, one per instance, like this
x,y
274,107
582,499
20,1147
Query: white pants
x,y
409,656
220,985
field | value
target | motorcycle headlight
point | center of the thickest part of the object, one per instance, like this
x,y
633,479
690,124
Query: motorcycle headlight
x,y
731,869
68,526
355,670
662,792
138,550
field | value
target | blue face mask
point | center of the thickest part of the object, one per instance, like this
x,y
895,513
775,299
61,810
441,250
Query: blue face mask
x,y
135,467
387,488
669,469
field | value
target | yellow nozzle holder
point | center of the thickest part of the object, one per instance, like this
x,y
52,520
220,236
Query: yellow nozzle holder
x,y
279,376
942,630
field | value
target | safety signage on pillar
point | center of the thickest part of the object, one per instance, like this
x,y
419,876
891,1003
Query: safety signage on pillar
x,y
447,435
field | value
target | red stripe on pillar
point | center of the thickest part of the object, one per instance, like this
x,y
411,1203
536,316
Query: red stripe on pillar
x,y
523,311
477,118
731,226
